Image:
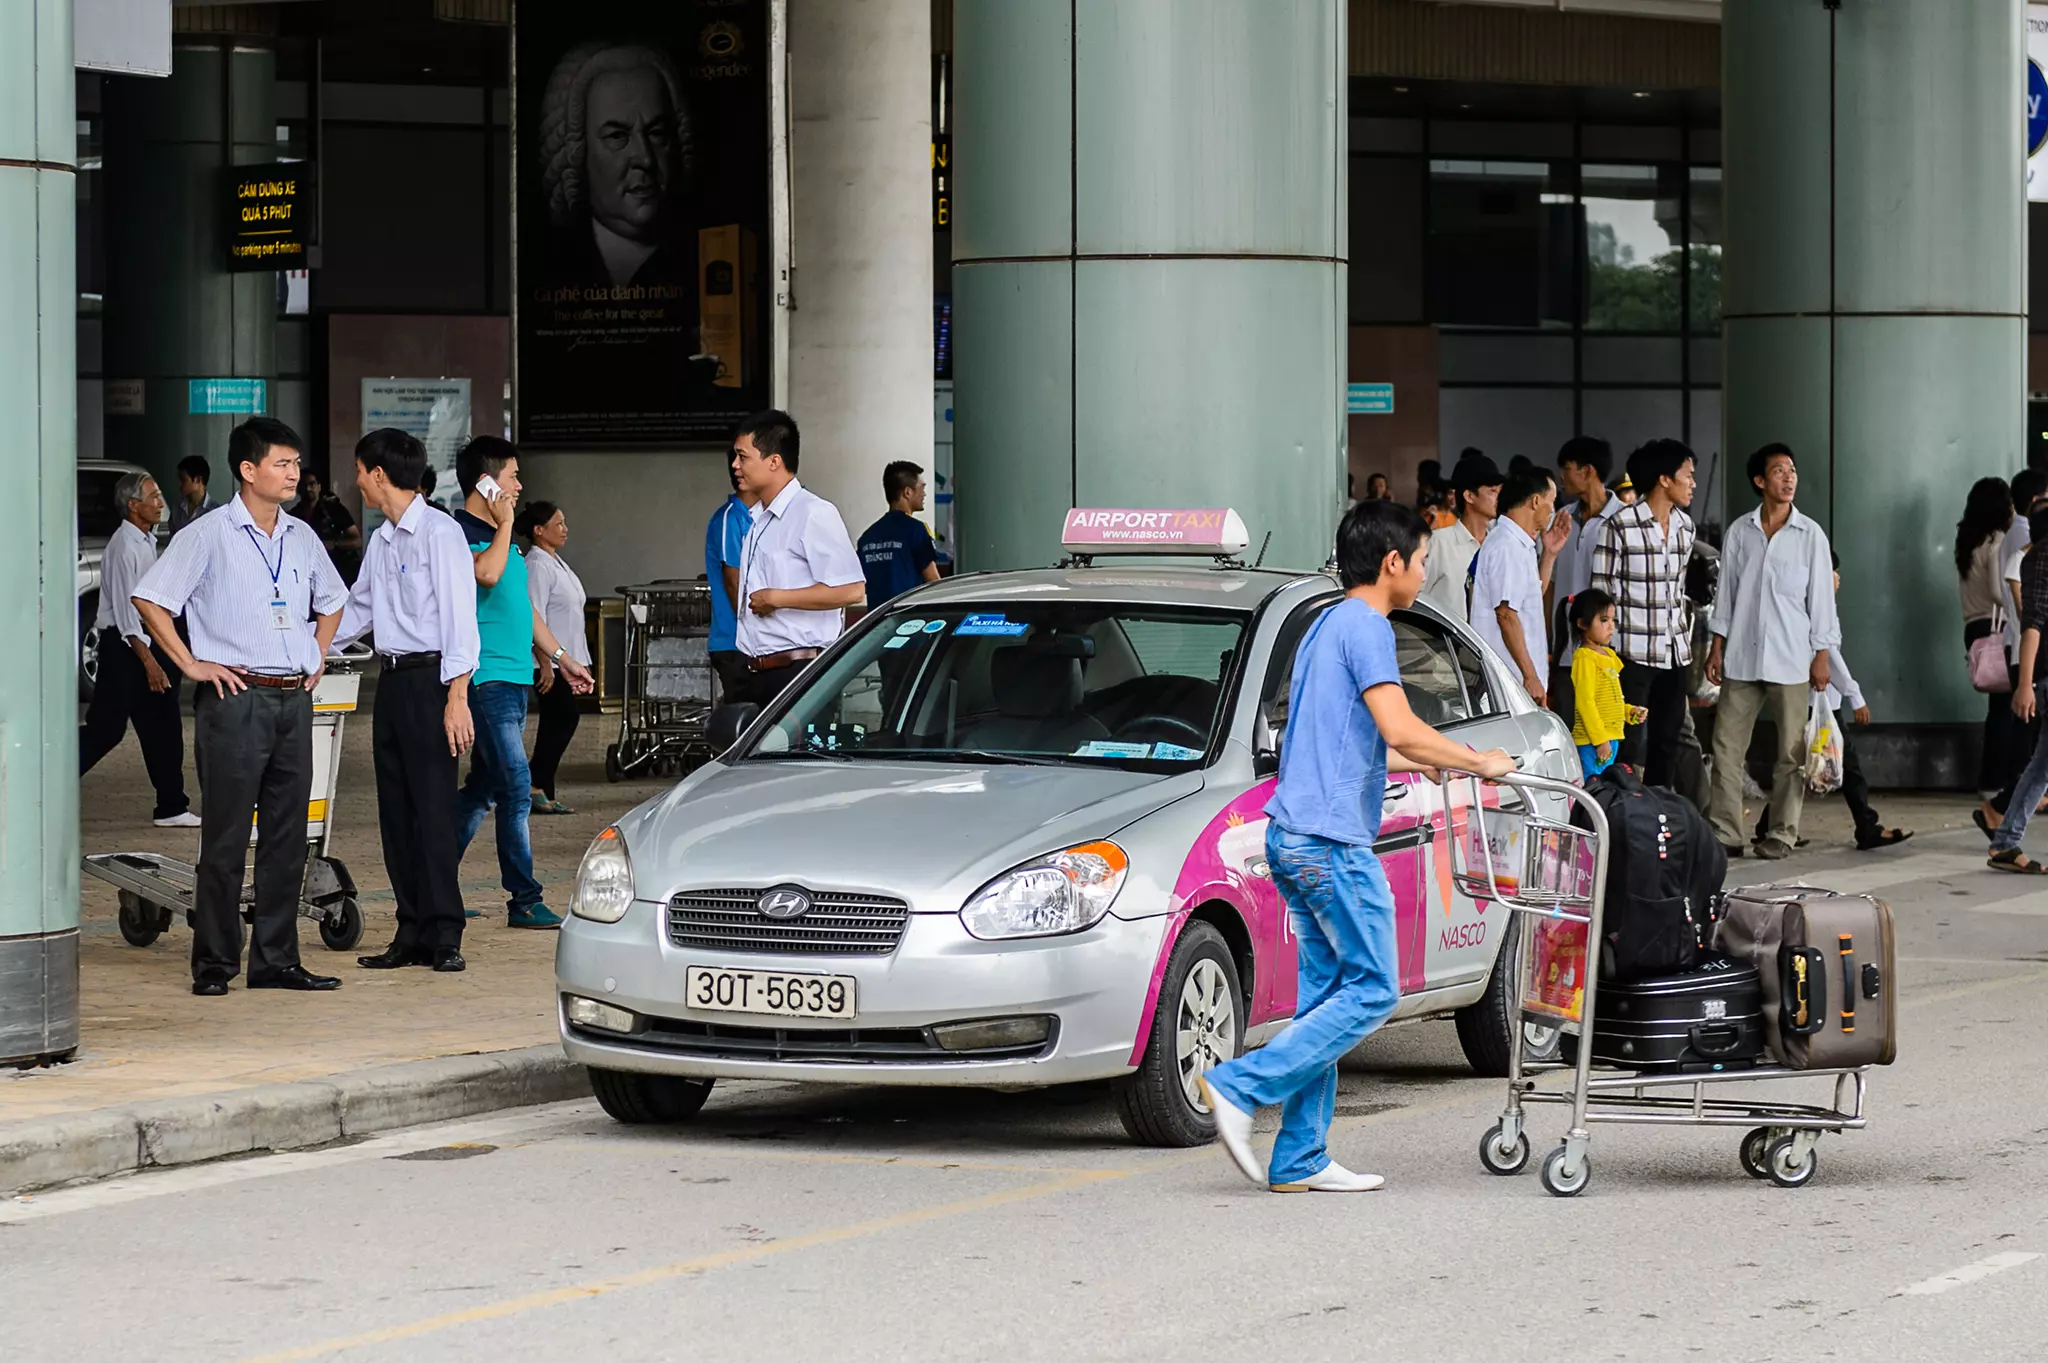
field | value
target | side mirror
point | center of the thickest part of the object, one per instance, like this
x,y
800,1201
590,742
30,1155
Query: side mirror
x,y
1265,746
723,726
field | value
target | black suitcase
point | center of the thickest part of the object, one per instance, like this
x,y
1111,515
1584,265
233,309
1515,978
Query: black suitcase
x,y
1708,1018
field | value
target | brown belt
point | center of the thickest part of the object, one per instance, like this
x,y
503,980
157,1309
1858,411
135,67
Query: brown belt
x,y
773,662
294,682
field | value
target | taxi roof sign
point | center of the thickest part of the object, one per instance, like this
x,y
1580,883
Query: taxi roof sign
x,y
1215,532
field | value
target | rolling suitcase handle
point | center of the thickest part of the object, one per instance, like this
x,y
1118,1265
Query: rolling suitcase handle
x,y
1847,945
1728,1039
1803,990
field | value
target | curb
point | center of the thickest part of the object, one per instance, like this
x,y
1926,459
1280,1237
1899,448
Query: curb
x,y
78,1147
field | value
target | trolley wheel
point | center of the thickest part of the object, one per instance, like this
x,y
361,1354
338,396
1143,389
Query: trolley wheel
x,y
1554,1181
142,920
1783,1170
1755,1150
612,770
345,929
1503,1160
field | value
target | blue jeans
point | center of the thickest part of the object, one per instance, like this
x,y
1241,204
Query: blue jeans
x,y
1342,914
497,772
2026,793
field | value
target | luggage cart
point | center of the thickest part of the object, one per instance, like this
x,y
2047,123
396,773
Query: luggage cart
x,y
669,687
1552,877
155,888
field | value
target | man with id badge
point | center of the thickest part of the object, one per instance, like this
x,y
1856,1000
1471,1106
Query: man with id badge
x,y
262,601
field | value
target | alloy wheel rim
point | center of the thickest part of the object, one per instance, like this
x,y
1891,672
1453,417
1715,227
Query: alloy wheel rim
x,y
1206,1034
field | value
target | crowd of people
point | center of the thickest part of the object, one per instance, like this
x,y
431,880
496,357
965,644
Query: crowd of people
x,y
2004,589
1599,594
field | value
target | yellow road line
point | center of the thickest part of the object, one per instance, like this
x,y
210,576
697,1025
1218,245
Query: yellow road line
x,y
708,1150
703,1263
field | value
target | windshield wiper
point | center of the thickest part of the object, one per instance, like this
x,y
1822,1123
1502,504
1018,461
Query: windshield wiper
x,y
787,754
1008,759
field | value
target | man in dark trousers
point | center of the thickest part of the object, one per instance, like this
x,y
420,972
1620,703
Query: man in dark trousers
x,y
417,590
134,682
249,579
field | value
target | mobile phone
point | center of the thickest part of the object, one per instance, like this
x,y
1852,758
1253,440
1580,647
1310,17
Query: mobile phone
x,y
489,487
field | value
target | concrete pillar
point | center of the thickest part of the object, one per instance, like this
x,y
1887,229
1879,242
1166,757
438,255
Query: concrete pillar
x,y
1874,299
860,337
38,563
173,312
1148,267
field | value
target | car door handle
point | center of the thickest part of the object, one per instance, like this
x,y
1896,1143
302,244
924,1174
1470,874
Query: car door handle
x,y
1395,792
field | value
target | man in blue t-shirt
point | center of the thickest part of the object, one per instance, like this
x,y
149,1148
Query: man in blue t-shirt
x,y
725,539
1344,708
896,552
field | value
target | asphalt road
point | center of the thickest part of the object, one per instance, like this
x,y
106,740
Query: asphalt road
x,y
836,1225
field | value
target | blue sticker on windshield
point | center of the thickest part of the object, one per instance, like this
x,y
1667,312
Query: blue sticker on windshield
x,y
934,627
1109,747
994,625
898,642
1174,752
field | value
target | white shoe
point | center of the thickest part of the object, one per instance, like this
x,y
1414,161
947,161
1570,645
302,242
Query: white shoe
x,y
1234,1129
186,820
1333,1178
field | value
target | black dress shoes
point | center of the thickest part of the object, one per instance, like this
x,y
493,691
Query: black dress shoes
x,y
295,977
394,957
210,989
448,961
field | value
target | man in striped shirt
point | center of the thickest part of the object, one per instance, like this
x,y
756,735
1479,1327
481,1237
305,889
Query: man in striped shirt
x,y
1639,560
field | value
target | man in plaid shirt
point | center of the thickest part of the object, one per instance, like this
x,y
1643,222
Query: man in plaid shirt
x,y
1640,561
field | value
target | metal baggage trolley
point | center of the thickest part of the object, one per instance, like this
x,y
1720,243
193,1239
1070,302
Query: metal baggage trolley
x,y
1553,878
668,686
155,888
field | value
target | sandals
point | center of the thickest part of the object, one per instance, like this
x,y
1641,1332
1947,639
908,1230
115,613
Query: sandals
x,y
543,805
1887,838
2017,863
1984,824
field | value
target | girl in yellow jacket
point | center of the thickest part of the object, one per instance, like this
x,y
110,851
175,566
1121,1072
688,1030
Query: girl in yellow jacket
x,y
1602,713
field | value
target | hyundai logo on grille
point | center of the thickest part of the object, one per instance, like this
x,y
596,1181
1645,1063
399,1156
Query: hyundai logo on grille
x,y
782,902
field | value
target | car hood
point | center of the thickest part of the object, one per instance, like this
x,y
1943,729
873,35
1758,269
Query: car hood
x,y
930,833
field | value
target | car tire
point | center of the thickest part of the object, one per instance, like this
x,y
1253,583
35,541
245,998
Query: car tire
x,y
1486,1027
1154,1103
648,1099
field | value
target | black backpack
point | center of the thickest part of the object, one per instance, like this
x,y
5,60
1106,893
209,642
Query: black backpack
x,y
1664,874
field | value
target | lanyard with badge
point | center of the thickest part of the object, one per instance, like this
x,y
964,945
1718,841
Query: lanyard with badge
x,y
280,609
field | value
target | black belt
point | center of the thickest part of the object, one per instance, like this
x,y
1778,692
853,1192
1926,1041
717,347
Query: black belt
x,y
405,662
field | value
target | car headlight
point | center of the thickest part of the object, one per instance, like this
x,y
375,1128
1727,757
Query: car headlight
x,y
604,882
1064,892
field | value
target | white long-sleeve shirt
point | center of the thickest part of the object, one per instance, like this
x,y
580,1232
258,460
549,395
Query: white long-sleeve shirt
x,y
417,590
1842,688
1776,607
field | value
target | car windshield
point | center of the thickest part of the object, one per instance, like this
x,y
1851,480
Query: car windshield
x,y
1063,682
97,515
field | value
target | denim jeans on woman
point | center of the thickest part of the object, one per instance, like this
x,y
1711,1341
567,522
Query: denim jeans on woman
x,y
2026,791
498,772
1342,915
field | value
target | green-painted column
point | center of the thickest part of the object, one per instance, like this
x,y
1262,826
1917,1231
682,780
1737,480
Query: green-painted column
x,y
38,451
1148,273
173,312
1874,308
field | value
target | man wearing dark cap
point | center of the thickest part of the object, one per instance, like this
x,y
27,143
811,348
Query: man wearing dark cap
x,y
1475,492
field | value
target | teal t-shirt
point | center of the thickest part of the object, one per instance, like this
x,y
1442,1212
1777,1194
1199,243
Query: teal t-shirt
x,y
504,613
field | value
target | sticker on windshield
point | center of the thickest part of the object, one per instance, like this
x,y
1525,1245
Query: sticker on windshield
x,y
1109,747
910,627
994,625
934,626
897,642
1174,752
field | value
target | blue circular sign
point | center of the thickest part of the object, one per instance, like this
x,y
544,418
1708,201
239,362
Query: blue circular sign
x,y
2037,107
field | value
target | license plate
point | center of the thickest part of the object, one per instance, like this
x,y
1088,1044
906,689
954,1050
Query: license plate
x,y
767,991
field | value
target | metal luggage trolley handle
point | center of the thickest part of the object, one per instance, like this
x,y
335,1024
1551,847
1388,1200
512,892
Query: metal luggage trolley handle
x,y
1780,1147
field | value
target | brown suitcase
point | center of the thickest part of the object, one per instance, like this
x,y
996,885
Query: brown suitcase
x,y
1827,965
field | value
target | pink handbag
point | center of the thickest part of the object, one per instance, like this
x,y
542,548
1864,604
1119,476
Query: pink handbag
x,y
1987,660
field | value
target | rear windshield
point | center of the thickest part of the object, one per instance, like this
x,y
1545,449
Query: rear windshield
x,y
1066,682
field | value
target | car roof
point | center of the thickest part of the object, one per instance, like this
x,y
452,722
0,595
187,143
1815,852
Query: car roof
x,y
1136,582
109,466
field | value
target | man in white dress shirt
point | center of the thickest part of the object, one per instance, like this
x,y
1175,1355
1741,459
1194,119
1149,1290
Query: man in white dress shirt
x,y
798,572
1476,484
1512,573
1774,623
251,581
1584,465
417,590
133,681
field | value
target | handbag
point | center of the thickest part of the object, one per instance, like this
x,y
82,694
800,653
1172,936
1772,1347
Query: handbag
x,y
1988,672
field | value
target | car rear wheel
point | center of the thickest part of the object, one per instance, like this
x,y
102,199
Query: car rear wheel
x,y
1197,1025
648,1099
1485,1027
88,645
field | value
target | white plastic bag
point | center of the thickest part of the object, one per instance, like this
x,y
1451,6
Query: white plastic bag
x,y
1823,748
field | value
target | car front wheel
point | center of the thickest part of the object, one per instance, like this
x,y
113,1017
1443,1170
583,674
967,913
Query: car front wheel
x,y
1197,1025
648,1099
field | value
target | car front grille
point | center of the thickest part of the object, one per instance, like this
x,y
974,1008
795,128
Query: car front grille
x,y
837,924
865,1045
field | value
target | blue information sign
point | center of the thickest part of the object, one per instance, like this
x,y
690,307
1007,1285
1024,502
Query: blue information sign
x,y
225,397
1369,399
2037,107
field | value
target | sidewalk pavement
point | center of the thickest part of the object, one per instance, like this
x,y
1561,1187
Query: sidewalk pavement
x,y
162,1077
